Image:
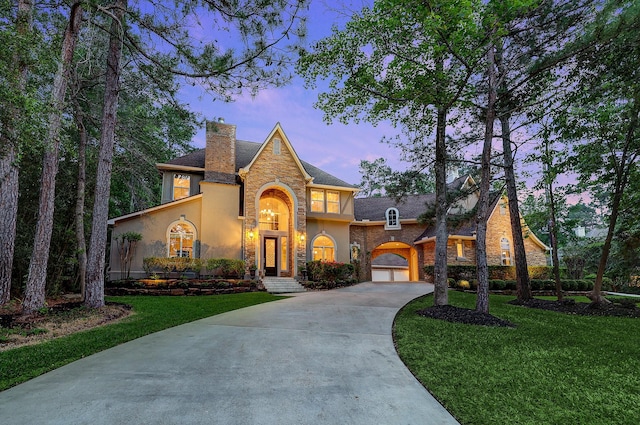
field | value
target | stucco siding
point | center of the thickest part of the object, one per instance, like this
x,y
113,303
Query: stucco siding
x,y
153,226
338,231
221,228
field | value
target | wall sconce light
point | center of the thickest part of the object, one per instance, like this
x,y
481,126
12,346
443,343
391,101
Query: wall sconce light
x,y
251,234
301,237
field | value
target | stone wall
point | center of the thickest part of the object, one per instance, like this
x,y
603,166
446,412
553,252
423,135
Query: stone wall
x,y
278,172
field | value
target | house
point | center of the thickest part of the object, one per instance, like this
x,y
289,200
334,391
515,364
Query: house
x,y
384,225
261,203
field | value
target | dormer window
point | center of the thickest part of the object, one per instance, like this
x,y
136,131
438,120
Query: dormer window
x,y
181,186
392,219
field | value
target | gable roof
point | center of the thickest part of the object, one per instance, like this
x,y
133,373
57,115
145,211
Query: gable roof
x,y
409,207
246,152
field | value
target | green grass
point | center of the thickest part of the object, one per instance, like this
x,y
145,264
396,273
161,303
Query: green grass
x,y
552,369
152,314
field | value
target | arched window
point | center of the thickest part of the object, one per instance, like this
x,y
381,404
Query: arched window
x,y
505,250
392,219
274,214
323,249
181,237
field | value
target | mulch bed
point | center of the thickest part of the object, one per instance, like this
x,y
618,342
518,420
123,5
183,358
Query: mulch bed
x,y
463,315
623,308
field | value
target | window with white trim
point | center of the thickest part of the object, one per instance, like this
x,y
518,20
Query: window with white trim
x,y
392,217
323,249
505,252
317,200
333,202
181,237
181,186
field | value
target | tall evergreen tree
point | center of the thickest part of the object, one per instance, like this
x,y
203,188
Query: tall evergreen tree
x,y
407,62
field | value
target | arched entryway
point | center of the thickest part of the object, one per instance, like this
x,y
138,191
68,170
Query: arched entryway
x,y
394,262
275,227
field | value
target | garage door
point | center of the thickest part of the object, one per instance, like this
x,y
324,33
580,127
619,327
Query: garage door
x,y
381,275
390,275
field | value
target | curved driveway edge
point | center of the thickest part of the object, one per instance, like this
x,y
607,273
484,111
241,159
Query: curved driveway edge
x,y
315,358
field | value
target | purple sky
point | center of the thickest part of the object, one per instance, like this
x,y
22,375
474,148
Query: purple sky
x,y
335,148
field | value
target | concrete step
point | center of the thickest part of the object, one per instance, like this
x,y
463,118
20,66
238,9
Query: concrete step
x,y
282,285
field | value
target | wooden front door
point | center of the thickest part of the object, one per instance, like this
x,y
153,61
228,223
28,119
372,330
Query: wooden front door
x,y
270,250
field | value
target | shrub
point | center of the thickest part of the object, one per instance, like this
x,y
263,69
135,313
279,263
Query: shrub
x,y
330,272
451,282
510,284
226,267
473,283
496,284
502,272
464,284
607,284
540,272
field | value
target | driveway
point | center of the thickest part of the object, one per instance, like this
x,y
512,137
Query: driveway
x,y
315,358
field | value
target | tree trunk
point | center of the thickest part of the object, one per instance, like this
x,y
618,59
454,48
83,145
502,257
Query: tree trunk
x,y
622,176
441,295
9,169
94,294
553,231
80,198
36,281
482,301
523,285
554,244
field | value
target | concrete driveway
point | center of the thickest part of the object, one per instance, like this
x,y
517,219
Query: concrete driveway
x,y
315,358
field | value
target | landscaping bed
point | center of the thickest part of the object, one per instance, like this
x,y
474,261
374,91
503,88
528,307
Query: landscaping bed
x,y
179,287
61,317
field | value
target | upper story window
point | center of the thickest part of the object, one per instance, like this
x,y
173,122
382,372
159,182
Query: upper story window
x,y
273,215
325,201
317,200
333,202
505,251
181,185
392,218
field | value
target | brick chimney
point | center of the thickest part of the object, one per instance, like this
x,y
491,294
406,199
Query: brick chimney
x,y
220,154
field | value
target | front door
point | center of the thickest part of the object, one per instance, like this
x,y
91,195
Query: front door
x,y
270,256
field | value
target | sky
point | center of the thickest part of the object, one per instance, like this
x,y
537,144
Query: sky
x,y
335,148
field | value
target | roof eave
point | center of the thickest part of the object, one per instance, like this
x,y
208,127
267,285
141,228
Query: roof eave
x,y
165,166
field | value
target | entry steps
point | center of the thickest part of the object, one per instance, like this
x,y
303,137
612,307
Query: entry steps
x,y
282,285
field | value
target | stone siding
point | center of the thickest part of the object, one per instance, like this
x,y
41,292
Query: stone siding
x,y
278,172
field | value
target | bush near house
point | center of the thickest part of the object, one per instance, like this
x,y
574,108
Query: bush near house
x,y
165,266
536,284
179,287
225,267
328,275
468,272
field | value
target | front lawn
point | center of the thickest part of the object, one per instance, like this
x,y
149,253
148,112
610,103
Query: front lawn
x,y
552,368
151,314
